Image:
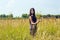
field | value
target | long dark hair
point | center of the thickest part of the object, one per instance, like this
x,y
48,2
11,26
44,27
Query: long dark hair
x,y
34,16
31,13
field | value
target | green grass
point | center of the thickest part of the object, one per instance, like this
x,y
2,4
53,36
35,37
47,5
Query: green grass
x,y
18,29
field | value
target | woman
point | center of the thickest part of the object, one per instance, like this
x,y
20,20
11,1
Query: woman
x,y
33,22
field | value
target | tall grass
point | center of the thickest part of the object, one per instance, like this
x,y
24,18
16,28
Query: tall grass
x,y
19,29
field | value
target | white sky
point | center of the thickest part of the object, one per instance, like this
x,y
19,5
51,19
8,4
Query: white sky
x,y
18,7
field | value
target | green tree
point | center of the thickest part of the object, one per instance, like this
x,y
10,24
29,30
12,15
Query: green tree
x,y
25,15
10,16
38,15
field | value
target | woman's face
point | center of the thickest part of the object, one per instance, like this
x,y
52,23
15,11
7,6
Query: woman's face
x,y
32,11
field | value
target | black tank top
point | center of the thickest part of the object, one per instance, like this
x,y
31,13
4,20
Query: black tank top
x,y
34,19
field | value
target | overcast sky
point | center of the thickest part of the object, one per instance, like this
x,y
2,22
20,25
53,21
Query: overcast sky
x,y
18,7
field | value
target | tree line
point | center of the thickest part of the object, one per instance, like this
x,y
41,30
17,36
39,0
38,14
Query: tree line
x,y
3,16
10,16
39,16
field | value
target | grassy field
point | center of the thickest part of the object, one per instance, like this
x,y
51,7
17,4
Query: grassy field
x,y
18,29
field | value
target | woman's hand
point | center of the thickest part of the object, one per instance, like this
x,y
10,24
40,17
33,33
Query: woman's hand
x,y
38,21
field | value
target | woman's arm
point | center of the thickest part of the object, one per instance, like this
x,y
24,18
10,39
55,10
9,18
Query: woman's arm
x,y
32,21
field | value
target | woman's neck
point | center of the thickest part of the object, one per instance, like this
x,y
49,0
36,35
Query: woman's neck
x,y
31,15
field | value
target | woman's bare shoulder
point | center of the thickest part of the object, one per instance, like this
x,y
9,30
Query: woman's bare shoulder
x,y
29,17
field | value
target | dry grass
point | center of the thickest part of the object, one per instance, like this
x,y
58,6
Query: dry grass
x,y
18,29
